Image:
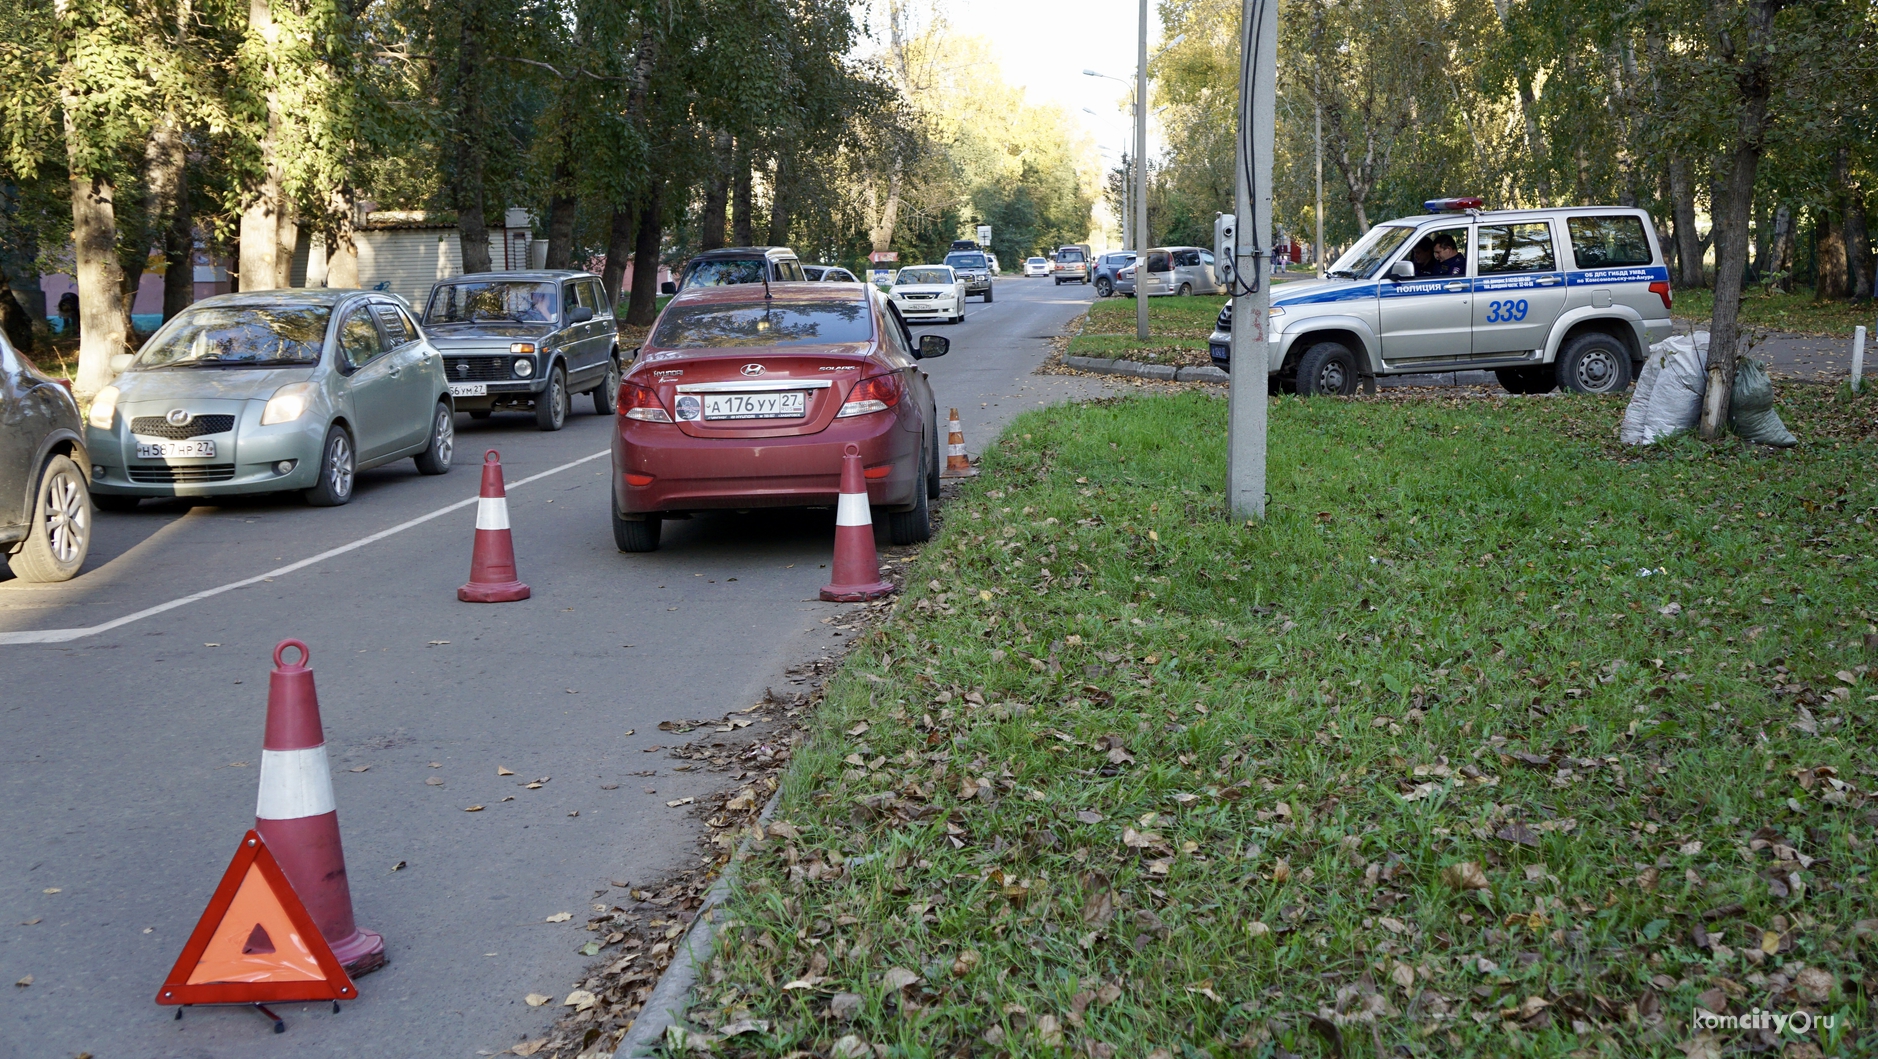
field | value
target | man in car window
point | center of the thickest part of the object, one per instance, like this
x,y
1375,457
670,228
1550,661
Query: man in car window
x,y
1424,258
1449,261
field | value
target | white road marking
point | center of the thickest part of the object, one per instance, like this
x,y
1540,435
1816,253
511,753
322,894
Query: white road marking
x,y
63,635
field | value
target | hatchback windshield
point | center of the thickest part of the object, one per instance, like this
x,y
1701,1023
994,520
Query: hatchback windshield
x,y
228,336
1362,260
924,275
725,273
511,301
714,326
966,260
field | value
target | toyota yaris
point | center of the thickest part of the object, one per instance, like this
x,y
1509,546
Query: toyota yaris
x,y
745,397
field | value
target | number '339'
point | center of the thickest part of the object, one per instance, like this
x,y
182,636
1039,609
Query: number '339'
x,y
1506,311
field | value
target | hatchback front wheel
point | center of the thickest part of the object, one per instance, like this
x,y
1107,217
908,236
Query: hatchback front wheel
x,y
337,466
60,535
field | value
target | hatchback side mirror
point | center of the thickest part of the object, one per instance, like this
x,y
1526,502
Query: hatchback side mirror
x,y
1402,270
668,287
931,346
120,362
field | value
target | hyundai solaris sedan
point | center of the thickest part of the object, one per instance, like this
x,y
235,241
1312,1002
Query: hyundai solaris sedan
x,y
282,390
741,400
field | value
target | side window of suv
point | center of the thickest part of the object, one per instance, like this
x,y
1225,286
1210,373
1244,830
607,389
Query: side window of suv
x,y
596,296
1505,248
789,271
1608,242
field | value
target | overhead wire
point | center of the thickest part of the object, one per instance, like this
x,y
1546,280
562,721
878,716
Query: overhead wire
x,y
1251,38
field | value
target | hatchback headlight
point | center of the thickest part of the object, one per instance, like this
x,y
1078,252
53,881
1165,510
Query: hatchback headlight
x,y
103,408
288,403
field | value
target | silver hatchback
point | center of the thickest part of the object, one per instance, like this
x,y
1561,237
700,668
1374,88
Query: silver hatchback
x,y
270,392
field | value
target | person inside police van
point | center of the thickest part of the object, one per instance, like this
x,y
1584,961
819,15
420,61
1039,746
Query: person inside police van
x,y
1449,261
1424,258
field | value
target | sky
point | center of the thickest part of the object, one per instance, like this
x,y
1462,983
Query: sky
x,y
1044,46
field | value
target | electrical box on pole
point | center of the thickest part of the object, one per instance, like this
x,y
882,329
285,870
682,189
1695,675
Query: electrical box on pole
x,y
1251,286
1225,243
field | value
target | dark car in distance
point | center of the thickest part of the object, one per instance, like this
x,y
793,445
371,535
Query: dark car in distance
x,y
525,340
1107,265
743,398
45,497
731,265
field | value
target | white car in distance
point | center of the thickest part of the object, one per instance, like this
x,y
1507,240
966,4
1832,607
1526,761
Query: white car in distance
x,y
929,292
1037,266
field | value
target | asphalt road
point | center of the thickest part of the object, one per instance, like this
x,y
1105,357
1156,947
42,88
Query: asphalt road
x,y
130,750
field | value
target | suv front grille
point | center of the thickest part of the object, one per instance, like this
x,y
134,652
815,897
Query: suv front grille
x,y
209,472
1224,323
475,369
159,427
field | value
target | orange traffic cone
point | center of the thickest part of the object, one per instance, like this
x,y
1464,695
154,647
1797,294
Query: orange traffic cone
x,y
958,465
492,564
857,569
296,815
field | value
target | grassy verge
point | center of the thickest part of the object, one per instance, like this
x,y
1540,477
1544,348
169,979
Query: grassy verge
x,y
1177,327
1493,739
1795,312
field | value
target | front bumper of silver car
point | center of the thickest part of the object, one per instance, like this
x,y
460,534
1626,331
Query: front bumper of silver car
x,y
249,457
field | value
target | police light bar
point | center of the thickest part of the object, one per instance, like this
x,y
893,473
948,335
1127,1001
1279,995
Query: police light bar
x,y
1468,202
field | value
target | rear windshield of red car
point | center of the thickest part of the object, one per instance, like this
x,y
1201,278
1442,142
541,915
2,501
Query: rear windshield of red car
x,y
716,326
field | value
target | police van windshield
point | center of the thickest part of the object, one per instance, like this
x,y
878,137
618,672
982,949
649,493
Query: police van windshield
x,y
1362,260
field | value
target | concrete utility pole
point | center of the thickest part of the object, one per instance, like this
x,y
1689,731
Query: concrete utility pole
x,y
1252,298
1141,179
1317,128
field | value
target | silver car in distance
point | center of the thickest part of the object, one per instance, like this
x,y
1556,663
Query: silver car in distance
x,y
282,390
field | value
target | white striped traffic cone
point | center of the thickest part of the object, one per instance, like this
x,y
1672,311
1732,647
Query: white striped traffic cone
x,y
492,562
856,576
958,465
296,816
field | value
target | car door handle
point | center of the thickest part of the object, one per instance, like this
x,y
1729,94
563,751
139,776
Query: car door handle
x,y
1456,285
395,372
1548,281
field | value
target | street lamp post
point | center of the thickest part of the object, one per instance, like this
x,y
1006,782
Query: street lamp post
x,y
1140,242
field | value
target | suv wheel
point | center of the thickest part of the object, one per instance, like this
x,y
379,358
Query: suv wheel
x,y
606,395
1594,362
551,406
987,295
59,536
1327,368
1186,289
1104,287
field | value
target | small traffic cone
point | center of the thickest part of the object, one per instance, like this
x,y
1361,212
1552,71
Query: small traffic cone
x,y
958,465
857,569
492,564
296,816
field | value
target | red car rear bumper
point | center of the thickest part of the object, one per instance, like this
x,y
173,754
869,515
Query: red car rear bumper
x,y
691,474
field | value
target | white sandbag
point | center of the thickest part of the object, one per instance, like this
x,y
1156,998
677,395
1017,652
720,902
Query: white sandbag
x,y
1631,430
1674,401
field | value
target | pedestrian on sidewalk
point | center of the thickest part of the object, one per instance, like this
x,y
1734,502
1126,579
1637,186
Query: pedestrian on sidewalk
x,y
68,314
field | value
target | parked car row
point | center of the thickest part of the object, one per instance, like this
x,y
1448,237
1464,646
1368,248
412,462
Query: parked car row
x,y
1181,270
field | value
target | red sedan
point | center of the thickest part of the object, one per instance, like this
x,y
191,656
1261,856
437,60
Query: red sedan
x,y
744,396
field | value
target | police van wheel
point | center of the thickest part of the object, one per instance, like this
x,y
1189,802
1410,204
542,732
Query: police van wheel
x,y
1594,363
1327,368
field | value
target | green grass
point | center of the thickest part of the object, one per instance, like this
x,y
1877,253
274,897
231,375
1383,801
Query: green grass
x,y
1122,773
1168,317
1796,312
1162,350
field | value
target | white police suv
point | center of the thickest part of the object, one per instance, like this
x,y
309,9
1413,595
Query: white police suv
x,y
1542,298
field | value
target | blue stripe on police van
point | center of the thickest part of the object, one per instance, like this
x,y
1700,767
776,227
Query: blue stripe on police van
x,y
1647,274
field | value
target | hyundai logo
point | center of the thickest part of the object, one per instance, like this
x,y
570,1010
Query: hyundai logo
x,y
753,369
178,417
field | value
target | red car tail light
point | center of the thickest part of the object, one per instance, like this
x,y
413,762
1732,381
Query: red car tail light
x,y
633,478
877,473
639,401
1661,290
876,394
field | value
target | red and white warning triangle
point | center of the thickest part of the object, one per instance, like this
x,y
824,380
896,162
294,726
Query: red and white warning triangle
x,y
255,942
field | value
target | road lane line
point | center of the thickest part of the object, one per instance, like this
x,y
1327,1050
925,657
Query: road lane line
x,y
31,636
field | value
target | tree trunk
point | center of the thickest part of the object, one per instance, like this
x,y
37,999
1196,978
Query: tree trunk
x,y
166,212
711,218
101,330
179,266
286,241
14,319
1830,251
342,248
1780,258
619,251
780,204
743,197
1688,243
259,266
471,209
646,257
562,209
1753,86
880,228
1858,260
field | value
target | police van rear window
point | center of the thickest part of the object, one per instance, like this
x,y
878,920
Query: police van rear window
x,y
1609,242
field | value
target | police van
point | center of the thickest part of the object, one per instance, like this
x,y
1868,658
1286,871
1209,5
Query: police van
x,y
1541,298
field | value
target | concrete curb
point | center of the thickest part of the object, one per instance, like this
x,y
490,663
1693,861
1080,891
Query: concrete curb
x,y
1157,372
666,1006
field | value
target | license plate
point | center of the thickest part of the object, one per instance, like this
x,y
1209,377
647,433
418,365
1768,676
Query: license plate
x,y
469,389
175,450
789,404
